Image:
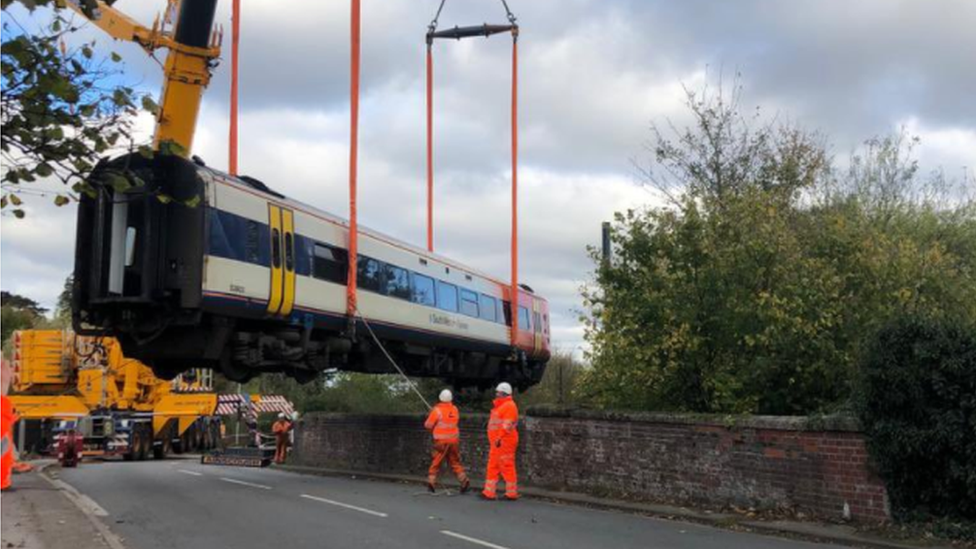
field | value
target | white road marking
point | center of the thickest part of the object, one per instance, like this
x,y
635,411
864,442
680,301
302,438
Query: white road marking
x,y
242,483
475,541
346,505
194,473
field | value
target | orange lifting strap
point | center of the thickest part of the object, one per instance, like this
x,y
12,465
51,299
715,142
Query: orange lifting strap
x,y
351,301
234,42
458,33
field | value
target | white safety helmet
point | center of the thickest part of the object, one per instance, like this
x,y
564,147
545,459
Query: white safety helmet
x,y
294,416
446,396
504,388
281,415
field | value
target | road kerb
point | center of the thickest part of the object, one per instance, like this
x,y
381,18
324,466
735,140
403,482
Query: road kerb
x,y
86,506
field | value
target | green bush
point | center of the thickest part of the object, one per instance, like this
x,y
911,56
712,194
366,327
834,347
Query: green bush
x,y
917,404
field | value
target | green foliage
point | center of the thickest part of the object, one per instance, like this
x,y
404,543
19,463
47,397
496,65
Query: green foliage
x,y
62,312
18,313
755,289
558,383
27,304
917,403
346,392
63,109
13,319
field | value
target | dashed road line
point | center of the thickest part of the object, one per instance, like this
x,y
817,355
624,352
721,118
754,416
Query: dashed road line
x,y
242,483
188,472
346,505
470,539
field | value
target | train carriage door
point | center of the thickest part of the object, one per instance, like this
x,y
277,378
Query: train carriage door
x,y
281,223
288,232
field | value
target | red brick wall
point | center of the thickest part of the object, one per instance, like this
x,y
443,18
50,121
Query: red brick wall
x,y
815,466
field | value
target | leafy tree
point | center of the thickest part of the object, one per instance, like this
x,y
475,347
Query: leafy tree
x,y
20,302
755,289
63,108
917,403
18,313
13,319
558,385
62,312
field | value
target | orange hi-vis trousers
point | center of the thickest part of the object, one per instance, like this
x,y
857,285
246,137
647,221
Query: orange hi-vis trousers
x,y
452,453
501,462
503,440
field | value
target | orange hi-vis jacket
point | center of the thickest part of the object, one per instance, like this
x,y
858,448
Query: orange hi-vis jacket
x,y
6,433
503,423
281,427
443,421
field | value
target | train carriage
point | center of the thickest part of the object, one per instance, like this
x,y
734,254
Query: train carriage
x,y
196,267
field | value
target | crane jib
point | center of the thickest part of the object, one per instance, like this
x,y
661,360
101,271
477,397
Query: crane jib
x,y
195,22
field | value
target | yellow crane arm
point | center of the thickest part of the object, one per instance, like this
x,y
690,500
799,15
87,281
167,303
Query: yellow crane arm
x,y
115,23
192,49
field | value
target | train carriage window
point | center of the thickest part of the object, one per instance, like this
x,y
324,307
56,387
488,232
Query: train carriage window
x,y
329,264
506,313
276,248
252,244
447,296
524,323
469,303
370,275
422,289
489,308
289,252
397,282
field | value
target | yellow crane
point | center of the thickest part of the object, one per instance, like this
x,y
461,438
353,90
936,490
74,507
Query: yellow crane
x,y
185,30
116,402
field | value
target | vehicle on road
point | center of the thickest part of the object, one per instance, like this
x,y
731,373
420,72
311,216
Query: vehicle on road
x,y
65,383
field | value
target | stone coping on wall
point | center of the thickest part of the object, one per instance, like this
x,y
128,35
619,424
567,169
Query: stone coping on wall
x,y
826,423
830,423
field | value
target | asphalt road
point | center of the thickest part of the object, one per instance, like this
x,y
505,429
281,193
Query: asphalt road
x,y
183,504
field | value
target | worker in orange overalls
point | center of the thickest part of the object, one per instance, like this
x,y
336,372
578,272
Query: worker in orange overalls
x,y
443,424
281,428
502,440
6,428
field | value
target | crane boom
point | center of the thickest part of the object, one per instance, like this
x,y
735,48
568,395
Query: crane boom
x,y
192,45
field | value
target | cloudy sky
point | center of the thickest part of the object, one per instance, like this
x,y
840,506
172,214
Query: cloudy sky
x,y
593,74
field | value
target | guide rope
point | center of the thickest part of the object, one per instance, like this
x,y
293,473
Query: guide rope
x,y
390,358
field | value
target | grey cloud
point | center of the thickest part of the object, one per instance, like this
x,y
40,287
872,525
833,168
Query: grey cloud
x,y
594,74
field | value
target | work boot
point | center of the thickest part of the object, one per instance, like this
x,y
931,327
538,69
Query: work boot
x,y
430,487
465,486
487,496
